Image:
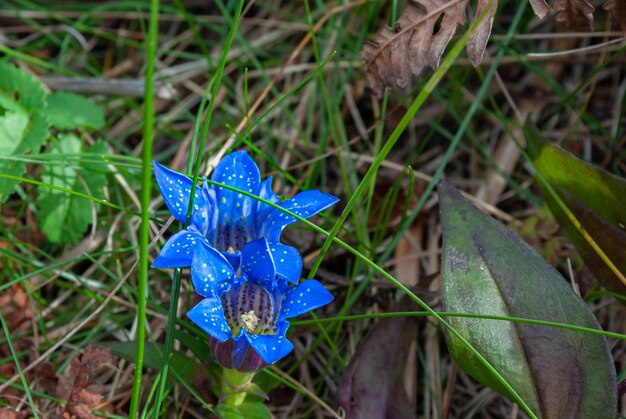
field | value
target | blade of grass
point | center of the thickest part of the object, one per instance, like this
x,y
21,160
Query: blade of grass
x,y
146,188
546,323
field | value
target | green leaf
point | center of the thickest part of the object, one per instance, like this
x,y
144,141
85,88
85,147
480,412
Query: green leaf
x,y
487,269
595,198
71,111
182,367
23,126
65,217
200,347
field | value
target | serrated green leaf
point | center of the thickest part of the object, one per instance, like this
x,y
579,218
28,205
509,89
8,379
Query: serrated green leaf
x,y
71,111
64,217
488,269
594,196
23,126
22,88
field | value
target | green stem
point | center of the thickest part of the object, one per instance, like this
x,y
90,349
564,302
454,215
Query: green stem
x,y
169,339
235,385
146,188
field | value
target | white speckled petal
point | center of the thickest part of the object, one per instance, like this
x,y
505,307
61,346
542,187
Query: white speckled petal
x,y
271,347
175,189
306,296
305,204
239,171
257,263
287,261
211,273
266,193
178,250
209,316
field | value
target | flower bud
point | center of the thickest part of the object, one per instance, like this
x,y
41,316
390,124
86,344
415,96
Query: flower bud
x,y
237,355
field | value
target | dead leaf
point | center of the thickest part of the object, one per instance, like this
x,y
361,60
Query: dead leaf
x,y
372,384
12,414
78,386
477,43
46,377
617,8
17,312
394,56
15,307
574,14
540,7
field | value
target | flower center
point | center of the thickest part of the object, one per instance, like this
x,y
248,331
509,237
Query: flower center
x,y
250,321
249,307
231,236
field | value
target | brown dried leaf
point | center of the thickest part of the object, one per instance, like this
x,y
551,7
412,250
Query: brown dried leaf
x,y
12,414
617,8
15,307
78,386
46,377
540,7
395,55
478,41
574,14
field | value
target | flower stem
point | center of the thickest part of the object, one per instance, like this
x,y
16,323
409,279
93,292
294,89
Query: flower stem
x,y
146,183
235,385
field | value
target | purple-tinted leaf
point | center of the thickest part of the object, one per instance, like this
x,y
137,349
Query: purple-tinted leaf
x,y
595,197
372,384
489,270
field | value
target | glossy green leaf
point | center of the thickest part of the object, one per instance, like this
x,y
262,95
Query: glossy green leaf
x,y
488,269
595,197
23,126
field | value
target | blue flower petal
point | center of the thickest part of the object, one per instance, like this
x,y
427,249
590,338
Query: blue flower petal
x,y
266,193
176,189
202,216
271,347
234,258
306,296
305,205
178,250
257,263
211,273
235,218
239,171
287,261
209,316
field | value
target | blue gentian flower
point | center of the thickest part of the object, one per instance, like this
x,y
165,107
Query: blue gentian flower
x,y
246,315
225,219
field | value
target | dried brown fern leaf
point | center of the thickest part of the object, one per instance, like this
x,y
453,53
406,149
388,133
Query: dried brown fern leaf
x,y
540,7
575,14
617,8
477,43
394,56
